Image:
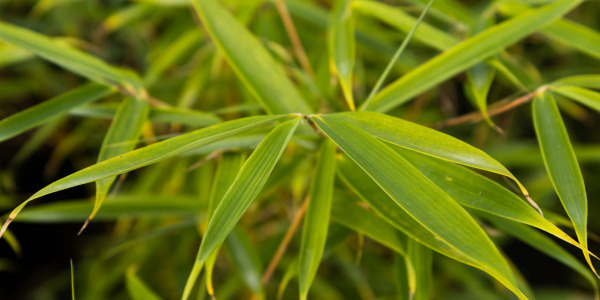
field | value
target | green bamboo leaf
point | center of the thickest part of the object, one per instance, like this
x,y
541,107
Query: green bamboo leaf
x,y
10,54
246,260
421,259
137,289
342,48
70,58
121,206
467,54
584,96
402,280
247,57
590,81
157,114
121,138
50,109
477,87
425,140
127,16
544,245
425,33
562,165
419,197
489,196
243,191
229,165
316,221
148,155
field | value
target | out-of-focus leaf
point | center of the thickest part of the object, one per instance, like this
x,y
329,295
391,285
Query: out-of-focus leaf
x,y
243,191
247,57
148,155
316,221
137,289
246,260
342,49
121,206
50,109
477,87
422,263
584,96
562,165
590,81
468,53
419,197
10,54
127,16
121,138
70,58
544,245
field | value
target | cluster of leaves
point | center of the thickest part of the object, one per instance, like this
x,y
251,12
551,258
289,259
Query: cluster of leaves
x,y
290,137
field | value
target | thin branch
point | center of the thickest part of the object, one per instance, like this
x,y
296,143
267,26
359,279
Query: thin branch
x,y
296,43
285,242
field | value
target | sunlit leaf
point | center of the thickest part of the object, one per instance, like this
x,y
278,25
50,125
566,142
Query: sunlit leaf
x,y
342,49
584,96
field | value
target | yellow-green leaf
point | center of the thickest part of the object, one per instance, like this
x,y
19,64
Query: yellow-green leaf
x,y
342,49
584,96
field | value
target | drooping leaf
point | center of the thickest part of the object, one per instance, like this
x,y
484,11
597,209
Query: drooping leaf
x,y
342,49
51,109
561,164
243,191
316,221
247,57
148,155
70,58
424,140
419,197
468,53
477,87
121,138
584,96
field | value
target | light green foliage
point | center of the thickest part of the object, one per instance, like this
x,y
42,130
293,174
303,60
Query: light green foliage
x,y
301,148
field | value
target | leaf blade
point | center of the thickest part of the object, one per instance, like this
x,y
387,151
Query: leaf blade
x,y
342,47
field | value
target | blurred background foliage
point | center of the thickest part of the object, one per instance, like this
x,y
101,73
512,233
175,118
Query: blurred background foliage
x,y
147,252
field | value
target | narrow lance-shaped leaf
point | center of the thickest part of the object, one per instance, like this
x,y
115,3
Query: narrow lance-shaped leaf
x,y
247,57
590,81
419,197
584,96
121,138
70,58
229,165
477,87
545,245
316,221
243,191
561,164
246,260
342,48
51,109
422,262
468,53
427,141
147,155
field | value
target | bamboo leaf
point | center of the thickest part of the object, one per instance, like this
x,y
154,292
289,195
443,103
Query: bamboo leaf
x,y
590,81
121,138
316,222
121,206
425,140
229,165
342,48
243,191
421,260
147,155
467,54
561,164
246,260
584,96
247,57
70,58
137,289
544,245
419,197
50,109
477,87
